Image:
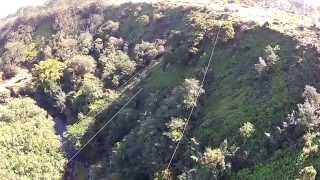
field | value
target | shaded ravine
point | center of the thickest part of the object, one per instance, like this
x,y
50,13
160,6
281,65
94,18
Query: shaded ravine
x,y
59,125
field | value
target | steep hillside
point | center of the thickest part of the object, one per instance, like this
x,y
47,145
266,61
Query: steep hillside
x,y
164,90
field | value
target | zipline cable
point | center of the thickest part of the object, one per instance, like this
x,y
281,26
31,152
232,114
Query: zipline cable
x,y
111,119
197,96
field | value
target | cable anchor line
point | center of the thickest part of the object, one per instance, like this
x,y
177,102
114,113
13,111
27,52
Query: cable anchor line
x,y
104,126
197,97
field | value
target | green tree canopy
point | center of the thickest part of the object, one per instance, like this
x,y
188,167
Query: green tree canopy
x,y
29,148
49,70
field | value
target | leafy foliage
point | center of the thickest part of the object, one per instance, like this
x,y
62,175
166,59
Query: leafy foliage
x,y
209,25
80,65
116,66
76,131
145,52
29,147
85,42
269,59
192,91
308,111
143,20
247,130
49,70
214,161
311,143
175,126
308,173
55,96
100,47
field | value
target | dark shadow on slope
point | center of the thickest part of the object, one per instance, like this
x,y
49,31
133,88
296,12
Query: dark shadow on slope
x,y
235,95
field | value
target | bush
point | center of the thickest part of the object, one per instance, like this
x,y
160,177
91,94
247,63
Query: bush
x,y
4,95
75,132
228,30
270,55
55,96
14,53
91,88
175,127
213,159
247,130
308,173
94,21
143,20
116,66
47,71
145,52
268,59
81,65
30,149
311,143
164,175
192,90
308,114
31,51
109,27
205,23
85,42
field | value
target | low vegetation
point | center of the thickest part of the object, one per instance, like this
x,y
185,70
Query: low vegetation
x,y
254,116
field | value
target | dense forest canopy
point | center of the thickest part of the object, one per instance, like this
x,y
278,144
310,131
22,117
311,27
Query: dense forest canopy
x,y
95,90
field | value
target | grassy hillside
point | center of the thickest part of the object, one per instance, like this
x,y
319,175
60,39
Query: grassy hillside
x,y
255,117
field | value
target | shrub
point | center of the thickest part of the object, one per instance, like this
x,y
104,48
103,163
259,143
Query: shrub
x,y
81,64
94,21
64,48
308,111
311,143
30,149
213,159
49,70
163,175
91,88
85,42
4,95
55,96
247,130
228,30
67,21
14,53
192,90
109,27
175,127
143,20
144,52
203,22
268,59
308,173
116,66
270,55
31,51
76,131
